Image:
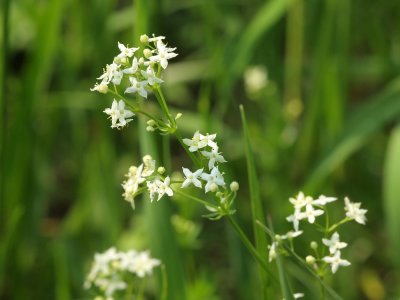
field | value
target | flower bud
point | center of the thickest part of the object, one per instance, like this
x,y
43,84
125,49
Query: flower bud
x,y
150,128
310,260
178,115
314,245
144,39
234,186
147,53
213,187
161,170
151,122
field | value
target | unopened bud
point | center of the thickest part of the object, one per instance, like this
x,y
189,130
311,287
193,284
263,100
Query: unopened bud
x,y
147,53
151,122
144,39
178,115
150,128
161,170
313,245
310,260
234,186
213,187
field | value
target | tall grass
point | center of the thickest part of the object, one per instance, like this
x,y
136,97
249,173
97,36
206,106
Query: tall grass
x,y
323,123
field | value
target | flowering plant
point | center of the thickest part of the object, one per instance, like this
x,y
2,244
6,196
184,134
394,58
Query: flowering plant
x,y
138,71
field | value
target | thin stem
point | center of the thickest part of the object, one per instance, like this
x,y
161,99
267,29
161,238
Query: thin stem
x,y
164,107
250,246
179,192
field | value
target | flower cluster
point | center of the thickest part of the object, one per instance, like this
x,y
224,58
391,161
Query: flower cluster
x,y
136,68
308,208
110,269
209,176
138,178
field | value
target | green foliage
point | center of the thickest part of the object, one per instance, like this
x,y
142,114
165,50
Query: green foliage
x,y
323,121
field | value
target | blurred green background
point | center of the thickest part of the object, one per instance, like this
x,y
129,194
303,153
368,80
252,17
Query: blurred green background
x,y
325,119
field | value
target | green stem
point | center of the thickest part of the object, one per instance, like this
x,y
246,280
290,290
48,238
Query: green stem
x,y
250,246
179,192
334,226
164,107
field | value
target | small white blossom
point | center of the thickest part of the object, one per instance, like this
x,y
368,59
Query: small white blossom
x,y
163,54
323,200
353,211
131,186
137,87
118,114
291,234
149,165
214,178
209,139
300,201
191,178
150,76
214,157
133,68
143,264
195,143
335,261
295,218
334,243
297,296
101,88
272,251
163,188
108,73
125,51
311,213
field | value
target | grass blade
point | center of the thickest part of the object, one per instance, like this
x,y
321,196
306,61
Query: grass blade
x,y
391,191
257,210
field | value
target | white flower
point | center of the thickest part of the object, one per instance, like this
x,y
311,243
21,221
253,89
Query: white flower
x,y
137,87
300,201
101,88
291,234
127,259
353,211
153,189
133,68
118,114
311,213
109,72
295,219
117,77
149,165
334,243
323,200
191,178
150,76
163,188
125,51
155,38
213,157
272,251
131,186
163,53
213,179
195,143
209,139
336,261
143,264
